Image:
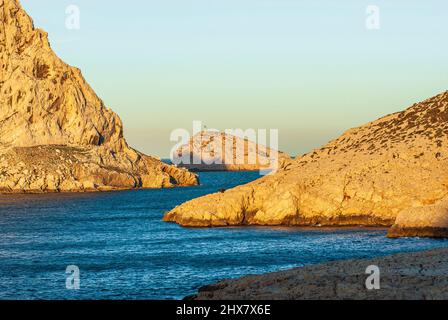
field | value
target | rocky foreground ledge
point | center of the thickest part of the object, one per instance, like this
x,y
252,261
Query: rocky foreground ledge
x,y
408,276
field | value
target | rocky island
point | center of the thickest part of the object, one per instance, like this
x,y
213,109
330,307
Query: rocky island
x,y
390,172
217,151
55,133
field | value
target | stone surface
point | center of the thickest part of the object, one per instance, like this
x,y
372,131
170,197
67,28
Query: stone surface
x,y
216,151
55,133
424,221
408,276
365,177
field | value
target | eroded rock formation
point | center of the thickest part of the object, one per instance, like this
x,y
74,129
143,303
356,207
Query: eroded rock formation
x,y
55,133
216,151
367,176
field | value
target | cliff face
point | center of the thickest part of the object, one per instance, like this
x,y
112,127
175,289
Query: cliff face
x,y
216,151
55,133
369,175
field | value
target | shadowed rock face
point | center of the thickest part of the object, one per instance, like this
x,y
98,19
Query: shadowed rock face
x,y
367,176
55,133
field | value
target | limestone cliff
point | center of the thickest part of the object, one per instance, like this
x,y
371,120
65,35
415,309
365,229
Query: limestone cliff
x,y
216,151
367,176
55,133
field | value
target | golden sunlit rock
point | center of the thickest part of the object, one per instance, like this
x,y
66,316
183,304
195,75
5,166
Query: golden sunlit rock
x,y
55,133
217,151
365,177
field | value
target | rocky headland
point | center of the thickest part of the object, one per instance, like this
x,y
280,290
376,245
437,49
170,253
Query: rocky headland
x,y
55,132
406,276
393,167
217,151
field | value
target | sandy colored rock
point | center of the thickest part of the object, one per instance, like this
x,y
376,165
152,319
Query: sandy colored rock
x,y
406,276
55,133
365,177
217,151
424,221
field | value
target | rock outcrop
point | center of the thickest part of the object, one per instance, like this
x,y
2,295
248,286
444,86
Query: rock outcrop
x,y
216,151
365,177
425,221
55,133
406,276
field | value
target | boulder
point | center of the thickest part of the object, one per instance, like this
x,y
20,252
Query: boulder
x,y
367,176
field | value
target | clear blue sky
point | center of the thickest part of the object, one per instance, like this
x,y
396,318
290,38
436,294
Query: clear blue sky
x,y
309,68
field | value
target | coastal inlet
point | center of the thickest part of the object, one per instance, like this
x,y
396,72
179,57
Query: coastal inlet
x,y
125,251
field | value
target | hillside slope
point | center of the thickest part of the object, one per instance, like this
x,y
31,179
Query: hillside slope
x,y
367,176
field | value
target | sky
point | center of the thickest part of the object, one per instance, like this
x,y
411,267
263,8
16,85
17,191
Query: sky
x,y
311,69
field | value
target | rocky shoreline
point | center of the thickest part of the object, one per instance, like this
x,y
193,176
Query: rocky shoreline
x,y
405,276
247,220
390,170
425,232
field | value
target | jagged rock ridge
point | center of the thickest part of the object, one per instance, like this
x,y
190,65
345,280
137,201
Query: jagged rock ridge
x,y
368,176
55,133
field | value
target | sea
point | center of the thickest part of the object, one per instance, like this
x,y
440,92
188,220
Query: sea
x,y
115,245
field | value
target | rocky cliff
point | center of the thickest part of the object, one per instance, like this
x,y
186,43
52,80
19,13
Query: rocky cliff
x,y
395,166
55,133
216,151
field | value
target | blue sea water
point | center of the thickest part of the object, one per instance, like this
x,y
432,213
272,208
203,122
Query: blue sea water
x,y
125,251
